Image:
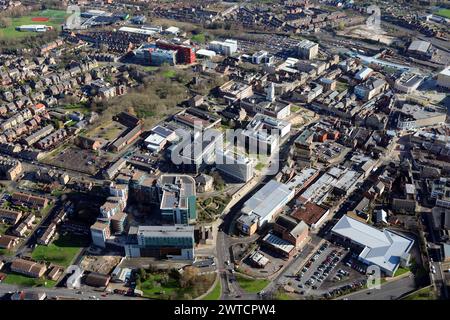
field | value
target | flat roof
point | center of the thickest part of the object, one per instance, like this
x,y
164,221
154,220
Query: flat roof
x,y
137,30
166,231
301,178
176,190
446,71
419,45
310,213
207,53
267,199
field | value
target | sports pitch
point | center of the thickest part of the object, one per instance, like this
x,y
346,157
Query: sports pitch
x,y
55,19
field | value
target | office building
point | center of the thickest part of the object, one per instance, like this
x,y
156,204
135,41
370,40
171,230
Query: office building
x,y
235,165
226,48
307,49
178,201
100,232
443,78
164,242
159,57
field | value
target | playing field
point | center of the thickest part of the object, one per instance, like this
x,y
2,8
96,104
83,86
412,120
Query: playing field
x,y
55,19
444,13
62,251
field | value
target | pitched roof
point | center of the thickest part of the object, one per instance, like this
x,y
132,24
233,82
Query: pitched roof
x,y
381,247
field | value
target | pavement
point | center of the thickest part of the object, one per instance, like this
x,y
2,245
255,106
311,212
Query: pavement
x,y
66,293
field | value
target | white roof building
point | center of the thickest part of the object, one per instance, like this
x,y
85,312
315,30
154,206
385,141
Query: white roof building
x,y
383,248
172,30
206,53
364,73
443,78
268,201
137,30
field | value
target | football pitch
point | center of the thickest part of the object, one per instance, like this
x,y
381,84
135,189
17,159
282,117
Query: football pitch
x,y
55,19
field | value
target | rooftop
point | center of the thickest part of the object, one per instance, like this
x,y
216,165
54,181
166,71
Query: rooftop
x,y
278,243
381,247
267,199
310,213
166,231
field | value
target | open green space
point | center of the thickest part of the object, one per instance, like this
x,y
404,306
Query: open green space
x,y
3,228
56,19
173,285
77,107
215,293
259,166
150,68
422,294
108,130
5,252
282,295
169,73
200,38
295,109
156,286
401,271
61,251
22,280
211,207
444,13
251,285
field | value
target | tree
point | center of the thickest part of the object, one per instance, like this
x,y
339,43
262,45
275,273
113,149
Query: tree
x,y
188,277
5,22
142,274
219,183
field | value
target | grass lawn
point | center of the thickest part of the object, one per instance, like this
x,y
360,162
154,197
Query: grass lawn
x,y
283,296
5,252
152,290
108,130
215,293
251,285
3,228
21,280
162,286
259,166
295,108
401,271
56,19
422,294
77,107
169,73
200,38
150,68
444,13
61,251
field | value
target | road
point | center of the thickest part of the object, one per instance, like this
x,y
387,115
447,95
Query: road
x,y
224,240
67,293
391,290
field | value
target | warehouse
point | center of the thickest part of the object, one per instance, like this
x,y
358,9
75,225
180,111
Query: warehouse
x,y
264,205
34,28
